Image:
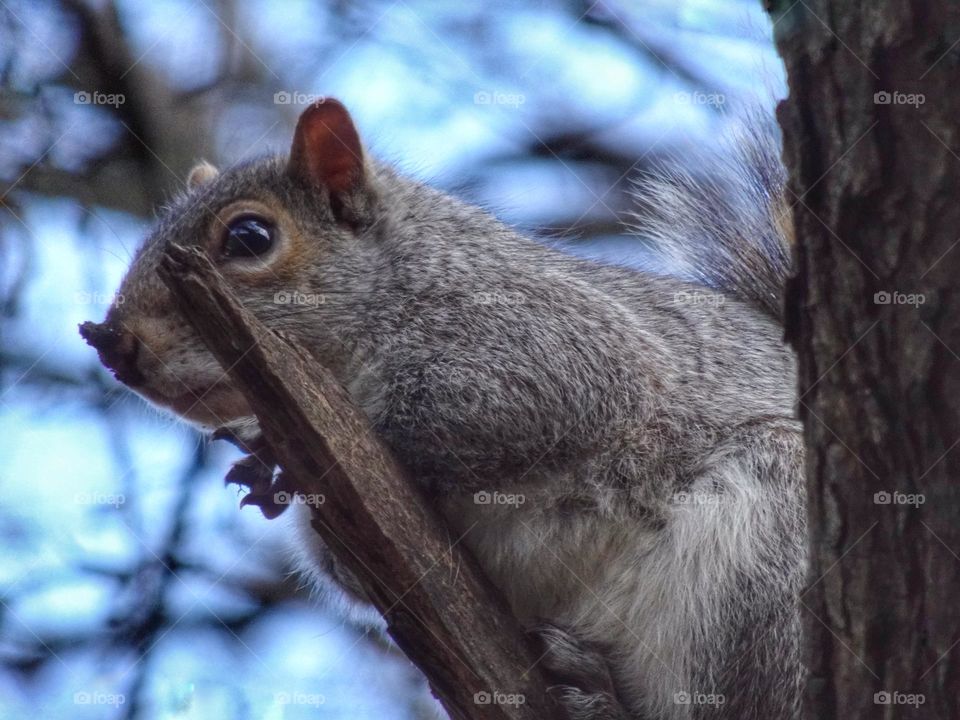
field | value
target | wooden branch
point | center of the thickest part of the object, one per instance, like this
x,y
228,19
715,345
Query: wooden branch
x,y
439,607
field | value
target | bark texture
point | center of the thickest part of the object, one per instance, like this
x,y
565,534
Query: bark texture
x,y
872,141
439,607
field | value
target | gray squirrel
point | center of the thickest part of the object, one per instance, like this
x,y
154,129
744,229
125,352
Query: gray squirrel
x,y
619,447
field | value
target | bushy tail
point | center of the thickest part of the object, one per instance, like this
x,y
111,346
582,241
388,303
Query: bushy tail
x,y
721,219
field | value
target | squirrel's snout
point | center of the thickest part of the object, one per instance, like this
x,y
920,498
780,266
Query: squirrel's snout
x,y
117,348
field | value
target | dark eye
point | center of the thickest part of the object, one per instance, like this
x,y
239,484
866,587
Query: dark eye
x,y
248,236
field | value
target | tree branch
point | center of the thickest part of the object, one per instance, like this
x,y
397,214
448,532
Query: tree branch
x,y
441,610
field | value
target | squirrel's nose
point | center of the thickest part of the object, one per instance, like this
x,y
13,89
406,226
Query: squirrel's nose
x,y
117,348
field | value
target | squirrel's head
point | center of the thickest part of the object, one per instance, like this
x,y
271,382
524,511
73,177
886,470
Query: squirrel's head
x,y
269,226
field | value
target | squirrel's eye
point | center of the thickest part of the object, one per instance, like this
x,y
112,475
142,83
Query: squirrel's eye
x,y
248,236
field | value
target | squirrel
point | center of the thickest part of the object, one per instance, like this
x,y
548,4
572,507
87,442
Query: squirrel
x,y
619,448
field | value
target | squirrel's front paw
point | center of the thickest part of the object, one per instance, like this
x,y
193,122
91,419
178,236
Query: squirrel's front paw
x,y
583,684
256,473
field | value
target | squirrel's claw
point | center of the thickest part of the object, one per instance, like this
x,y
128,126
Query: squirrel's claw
x,y
255,472
251,472
273,499
266,502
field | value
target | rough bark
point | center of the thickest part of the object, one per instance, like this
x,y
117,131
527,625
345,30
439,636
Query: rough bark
x,y
439,607
875,182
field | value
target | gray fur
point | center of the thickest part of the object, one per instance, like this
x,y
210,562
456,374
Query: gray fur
x,y
647,422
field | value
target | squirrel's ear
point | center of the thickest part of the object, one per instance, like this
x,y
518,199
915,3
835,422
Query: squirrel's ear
x,y
202,173
326,151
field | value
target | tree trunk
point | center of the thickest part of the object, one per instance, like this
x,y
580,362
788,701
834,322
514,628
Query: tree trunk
x,y
872,141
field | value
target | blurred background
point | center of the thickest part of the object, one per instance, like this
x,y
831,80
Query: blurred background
x,y
131,584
